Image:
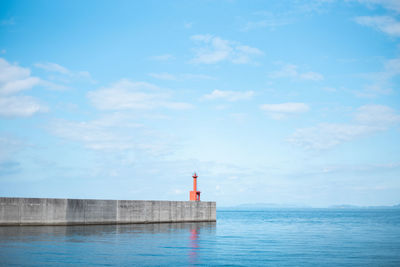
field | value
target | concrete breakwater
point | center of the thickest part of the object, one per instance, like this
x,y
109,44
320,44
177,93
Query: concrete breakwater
x,y
55,211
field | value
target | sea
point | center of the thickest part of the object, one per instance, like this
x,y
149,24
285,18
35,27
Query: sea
x,y
270,237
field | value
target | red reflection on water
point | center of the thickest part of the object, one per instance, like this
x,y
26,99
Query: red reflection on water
x,y
194,245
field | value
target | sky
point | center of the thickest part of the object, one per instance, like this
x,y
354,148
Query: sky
x,y
286,102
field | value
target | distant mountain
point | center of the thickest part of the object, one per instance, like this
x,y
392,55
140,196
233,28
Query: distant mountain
x,y
364,207
260,206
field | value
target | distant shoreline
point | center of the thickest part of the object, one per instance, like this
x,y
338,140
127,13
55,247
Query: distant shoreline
x,y
277,206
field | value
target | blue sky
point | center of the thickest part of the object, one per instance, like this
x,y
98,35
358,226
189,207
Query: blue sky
x,y
289,102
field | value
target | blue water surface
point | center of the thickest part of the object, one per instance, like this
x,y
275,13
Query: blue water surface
x,y
285,237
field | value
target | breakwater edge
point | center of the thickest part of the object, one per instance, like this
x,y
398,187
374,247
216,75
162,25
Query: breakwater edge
x,y
56,211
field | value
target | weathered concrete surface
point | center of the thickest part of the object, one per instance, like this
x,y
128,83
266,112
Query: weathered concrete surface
x,y
53,211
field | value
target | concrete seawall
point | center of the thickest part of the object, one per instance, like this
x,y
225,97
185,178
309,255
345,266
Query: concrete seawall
x,y
54,211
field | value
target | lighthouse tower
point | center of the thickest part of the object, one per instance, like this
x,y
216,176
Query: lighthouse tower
x,y
194,195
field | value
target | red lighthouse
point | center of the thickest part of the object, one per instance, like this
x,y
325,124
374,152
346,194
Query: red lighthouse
x,y
194,195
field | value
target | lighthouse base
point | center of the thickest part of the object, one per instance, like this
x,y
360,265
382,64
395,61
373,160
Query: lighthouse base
x,y
194,196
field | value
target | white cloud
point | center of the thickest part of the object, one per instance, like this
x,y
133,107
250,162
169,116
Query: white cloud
x,y
229,95
54,86
388,4
52,67
126,95
377,115
15,86
113,133
64,72
380,82
213,49
385,24
97,134
14,78
280,111
20,106
392,66
368,119
273,18
290,71
327,135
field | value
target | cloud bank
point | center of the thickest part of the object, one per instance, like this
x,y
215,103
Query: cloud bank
x,y
368,119
213,49
14,80
128,95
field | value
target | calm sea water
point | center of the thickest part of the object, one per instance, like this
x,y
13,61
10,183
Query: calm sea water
x,y
307,237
